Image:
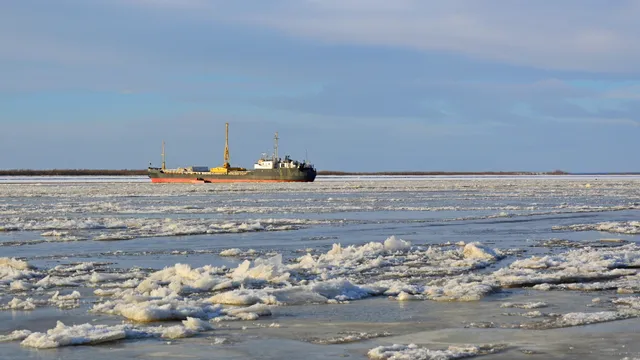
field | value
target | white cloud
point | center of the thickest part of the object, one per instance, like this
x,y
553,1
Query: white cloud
x,y
597,120
36,47
625,93
592,35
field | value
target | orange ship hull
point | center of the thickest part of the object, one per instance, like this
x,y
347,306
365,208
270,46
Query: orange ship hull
x,y
272,176
205,181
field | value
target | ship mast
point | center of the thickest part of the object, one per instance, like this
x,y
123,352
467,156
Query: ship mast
x,y
163,158
275,147
226,148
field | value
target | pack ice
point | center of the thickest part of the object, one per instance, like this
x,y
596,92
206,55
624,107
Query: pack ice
x,y
194,300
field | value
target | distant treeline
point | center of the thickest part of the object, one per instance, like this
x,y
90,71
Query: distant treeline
x,y
423,173
134,172
72,172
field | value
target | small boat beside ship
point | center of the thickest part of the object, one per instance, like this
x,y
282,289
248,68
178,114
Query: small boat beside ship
x,y
265,169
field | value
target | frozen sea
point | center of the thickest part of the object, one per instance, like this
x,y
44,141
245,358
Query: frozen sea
x,y
345,267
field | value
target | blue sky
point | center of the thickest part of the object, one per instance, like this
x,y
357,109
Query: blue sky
x,y
365,85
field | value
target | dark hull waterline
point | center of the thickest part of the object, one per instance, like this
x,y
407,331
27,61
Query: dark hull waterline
x,y
272,175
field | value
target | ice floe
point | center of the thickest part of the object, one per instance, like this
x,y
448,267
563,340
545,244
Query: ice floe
x,y
576,265
115,228
15,270
616,227
415,352
349,337
90,334
237,252
193,299
531,305
393,268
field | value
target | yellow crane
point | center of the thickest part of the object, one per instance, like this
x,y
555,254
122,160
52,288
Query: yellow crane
x,y
226,166
226,148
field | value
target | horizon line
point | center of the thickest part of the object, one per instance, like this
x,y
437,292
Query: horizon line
x,y
133,172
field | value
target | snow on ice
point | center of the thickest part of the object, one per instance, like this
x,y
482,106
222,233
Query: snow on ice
x,y
199,297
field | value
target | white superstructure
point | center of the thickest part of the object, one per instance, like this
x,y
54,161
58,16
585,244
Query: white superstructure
x,y
274,162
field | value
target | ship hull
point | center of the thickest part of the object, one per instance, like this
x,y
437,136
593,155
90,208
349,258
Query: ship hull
x,y
273,175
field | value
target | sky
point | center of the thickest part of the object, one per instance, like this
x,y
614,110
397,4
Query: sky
x,y
353,85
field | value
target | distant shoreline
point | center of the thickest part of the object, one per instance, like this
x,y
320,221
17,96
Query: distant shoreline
x,y
136,172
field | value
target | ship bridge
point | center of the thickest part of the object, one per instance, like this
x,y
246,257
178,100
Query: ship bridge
x,y
264,164
287,163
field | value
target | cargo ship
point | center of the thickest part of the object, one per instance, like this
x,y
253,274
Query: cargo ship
x,y
266,169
